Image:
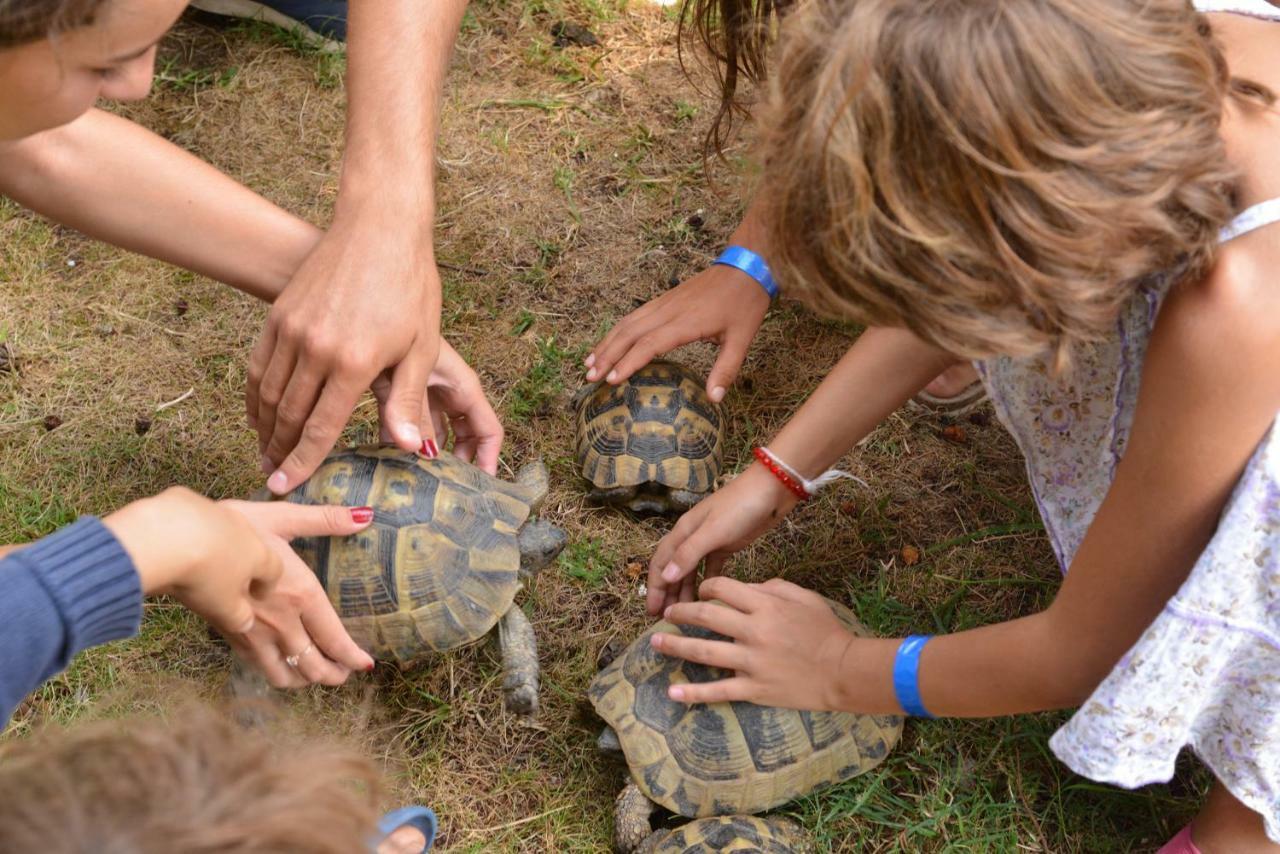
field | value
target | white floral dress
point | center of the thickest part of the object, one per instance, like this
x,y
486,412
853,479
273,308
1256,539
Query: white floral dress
x,y
1206,673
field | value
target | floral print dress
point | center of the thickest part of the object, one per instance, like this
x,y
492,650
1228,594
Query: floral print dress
x,y
1206,673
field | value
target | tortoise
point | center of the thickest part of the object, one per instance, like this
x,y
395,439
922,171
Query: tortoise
x,y
654,443
449,547
720,758
736,833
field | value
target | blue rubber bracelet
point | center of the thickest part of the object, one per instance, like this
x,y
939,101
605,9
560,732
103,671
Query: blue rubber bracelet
x,y
751,264
906,676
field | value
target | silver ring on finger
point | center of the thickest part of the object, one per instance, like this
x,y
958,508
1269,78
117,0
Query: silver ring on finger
x,y
292,660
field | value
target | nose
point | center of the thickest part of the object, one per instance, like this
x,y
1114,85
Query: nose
x,y
132,81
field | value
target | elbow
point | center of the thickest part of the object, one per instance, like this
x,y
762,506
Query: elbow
x,y
1075,663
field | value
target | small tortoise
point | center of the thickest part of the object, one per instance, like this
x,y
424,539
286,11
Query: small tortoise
x,y
448,549
653,444
722,758
745,834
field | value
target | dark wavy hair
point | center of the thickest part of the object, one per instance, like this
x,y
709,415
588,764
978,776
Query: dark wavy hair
x,y
23,21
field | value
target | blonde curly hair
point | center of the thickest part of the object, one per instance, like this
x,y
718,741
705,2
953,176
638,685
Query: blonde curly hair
x,y
996,176
196,783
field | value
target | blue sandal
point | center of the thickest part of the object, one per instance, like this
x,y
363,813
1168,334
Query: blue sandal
x,y
421,818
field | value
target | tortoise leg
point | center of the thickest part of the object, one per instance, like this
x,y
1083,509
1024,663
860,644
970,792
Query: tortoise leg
x,y
519,662
617,495
652,841
631,819
682,499
252,697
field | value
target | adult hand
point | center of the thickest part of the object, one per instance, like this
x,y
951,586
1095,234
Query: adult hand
x,y
720,304
786,647
457,404
714,528
360,304
230,562
293,616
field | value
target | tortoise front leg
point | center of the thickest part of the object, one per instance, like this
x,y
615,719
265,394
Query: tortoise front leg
x,y
519,662
631,813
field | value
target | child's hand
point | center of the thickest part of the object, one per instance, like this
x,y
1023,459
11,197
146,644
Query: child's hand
x,y
788,647
456,402
718,525
720,304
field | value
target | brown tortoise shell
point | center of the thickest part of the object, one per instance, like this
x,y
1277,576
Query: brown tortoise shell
x,y
657,427
724,758
745,834
440,564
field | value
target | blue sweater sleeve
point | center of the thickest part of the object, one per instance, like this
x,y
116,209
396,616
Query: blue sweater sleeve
x,y
69,591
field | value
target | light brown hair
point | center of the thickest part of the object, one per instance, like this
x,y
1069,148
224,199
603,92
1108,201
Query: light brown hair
x,y
197,783
737,34
23,21
995,176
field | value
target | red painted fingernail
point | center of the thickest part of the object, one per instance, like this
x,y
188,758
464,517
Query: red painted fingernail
x,y
361,515
429,449
369,668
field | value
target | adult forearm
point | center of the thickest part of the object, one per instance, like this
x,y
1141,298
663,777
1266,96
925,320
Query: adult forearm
x,y
398,56
882,369
178,208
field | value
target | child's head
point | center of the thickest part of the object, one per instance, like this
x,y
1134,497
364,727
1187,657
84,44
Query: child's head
x,y
195,783
57,57
993,175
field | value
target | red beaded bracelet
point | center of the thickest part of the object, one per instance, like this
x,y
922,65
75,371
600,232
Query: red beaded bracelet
x,y
787,480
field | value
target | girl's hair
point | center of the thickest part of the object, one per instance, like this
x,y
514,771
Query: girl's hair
x,y
738,35
197,783
995,176
23,21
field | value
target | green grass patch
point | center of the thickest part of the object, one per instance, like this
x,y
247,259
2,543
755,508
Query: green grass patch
x,y
587,561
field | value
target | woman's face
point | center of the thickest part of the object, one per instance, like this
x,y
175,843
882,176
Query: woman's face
x,y
50,82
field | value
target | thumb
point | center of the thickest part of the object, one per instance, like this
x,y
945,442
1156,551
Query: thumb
x,y
287,520
728,362
405,415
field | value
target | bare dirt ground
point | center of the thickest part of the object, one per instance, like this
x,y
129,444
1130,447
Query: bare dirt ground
x,y
572,188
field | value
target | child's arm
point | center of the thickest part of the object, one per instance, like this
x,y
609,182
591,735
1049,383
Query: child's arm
x,y
882,369
1209,394
118,182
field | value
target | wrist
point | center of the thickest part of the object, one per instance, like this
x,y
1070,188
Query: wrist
x,y
782,497
401,206
862,680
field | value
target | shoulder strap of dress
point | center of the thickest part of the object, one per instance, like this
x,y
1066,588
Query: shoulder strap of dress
x,y
1256,8
1250,219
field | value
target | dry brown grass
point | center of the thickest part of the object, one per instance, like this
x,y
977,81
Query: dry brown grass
x,y
567,179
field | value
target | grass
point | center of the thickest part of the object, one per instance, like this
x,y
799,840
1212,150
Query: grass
x,y
587,561
564,202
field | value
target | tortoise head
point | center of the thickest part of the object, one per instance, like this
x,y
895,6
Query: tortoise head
x,y
539,543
